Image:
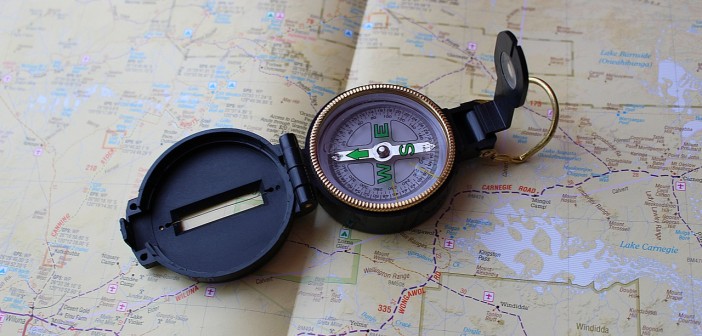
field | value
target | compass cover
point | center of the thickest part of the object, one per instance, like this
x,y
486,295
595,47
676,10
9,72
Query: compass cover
x,y
214,206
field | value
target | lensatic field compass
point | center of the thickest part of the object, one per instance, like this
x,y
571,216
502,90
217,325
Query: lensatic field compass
x,y
379,158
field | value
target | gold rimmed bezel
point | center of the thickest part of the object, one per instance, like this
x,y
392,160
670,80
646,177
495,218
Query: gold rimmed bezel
x,y
329,109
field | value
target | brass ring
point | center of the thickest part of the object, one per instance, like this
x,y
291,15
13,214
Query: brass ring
x,y
494,155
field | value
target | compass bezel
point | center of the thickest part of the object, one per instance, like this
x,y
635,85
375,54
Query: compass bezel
x,y
330,109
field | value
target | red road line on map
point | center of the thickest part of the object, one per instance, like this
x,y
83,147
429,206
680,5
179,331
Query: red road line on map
x,y
26,324
31,316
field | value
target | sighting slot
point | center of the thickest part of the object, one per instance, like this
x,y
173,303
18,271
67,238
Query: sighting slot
x,y
214,208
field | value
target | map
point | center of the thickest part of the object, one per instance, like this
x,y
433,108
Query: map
x,y
600,233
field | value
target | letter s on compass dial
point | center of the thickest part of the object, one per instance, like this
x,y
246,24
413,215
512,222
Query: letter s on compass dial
x,y
381,148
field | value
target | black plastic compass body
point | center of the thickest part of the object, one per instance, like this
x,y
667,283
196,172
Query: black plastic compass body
x,y
218,204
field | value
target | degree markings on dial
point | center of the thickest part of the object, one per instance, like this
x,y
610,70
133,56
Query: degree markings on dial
x,y
357,140
426,171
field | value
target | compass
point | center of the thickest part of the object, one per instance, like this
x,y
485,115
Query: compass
x,y
378,152
381,147
379,158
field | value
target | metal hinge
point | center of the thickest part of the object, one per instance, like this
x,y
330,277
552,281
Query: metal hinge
x,y
305,200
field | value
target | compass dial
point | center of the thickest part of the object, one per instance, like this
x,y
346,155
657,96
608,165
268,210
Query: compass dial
x,y
381,147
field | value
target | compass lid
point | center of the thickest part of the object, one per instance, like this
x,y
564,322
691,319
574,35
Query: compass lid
x,y
512,74
217,204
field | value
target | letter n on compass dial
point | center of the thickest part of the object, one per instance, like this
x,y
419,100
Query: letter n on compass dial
x,y
384,151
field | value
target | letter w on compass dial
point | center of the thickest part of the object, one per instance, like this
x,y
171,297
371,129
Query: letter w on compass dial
x,y
385,151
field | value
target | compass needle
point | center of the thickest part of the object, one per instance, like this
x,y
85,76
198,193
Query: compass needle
x,y
384,151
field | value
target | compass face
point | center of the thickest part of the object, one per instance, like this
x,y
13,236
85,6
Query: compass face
x,y
381,147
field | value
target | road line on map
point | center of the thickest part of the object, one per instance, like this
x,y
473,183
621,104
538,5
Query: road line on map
x,y
571,138
570,186
350,252
479,62
32,316
446,75
335,251
80,295
677,204
148,303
